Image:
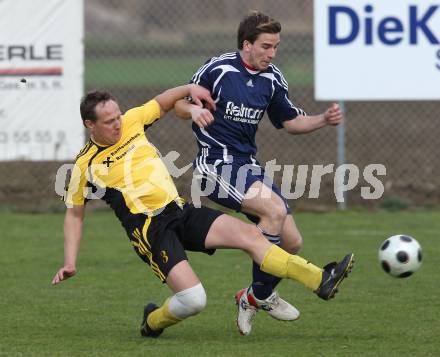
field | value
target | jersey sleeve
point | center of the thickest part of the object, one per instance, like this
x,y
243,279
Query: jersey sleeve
x,y
203,75
146,114
281,108
75,190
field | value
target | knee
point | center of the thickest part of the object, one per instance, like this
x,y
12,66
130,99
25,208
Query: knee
x,y
198,303
275,214
293,245
189,302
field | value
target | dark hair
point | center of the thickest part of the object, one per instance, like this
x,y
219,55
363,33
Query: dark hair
x,y
254,24
90,101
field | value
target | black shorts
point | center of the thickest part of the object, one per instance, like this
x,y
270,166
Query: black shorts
x,y
161,240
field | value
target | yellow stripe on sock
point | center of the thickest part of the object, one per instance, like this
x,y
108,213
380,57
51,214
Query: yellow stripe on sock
x,y
162,317
284,265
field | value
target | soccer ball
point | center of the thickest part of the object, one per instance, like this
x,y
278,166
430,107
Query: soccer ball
x,y
400,255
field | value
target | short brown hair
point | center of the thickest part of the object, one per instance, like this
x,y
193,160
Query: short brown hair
x,y
90,101
253,25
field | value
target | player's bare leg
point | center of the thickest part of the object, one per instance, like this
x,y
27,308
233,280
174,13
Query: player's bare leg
x,y
262,202
291,239
230,232
189,299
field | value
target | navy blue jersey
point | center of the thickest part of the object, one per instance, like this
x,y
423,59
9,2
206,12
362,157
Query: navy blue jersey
x,y
242,97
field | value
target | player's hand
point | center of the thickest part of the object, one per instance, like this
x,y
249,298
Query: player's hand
x,y
64,273
333,115
201,96
201,116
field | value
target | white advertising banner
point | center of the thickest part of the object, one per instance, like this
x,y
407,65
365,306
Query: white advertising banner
x,y
41,79
377,50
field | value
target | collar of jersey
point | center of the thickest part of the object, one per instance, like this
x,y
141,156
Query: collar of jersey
x,y
247,67
99,145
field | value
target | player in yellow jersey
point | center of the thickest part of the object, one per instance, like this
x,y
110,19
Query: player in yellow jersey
x,y
120,166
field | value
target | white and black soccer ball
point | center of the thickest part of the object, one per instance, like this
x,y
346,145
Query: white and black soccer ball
x,y
400,255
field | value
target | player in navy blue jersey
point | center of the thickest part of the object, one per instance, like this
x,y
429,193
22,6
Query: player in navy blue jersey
x,y
245,85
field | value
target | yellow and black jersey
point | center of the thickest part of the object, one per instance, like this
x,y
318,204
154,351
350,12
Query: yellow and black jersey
x,y
129,175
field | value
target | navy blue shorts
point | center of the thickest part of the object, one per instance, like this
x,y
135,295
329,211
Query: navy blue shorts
x,y
226,183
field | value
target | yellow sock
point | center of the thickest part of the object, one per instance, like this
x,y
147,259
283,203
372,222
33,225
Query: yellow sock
x,y
284,265
162,317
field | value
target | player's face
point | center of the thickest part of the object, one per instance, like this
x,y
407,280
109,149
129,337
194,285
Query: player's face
x,y
107,128
263,50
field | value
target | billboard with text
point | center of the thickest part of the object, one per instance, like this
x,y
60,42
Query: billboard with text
x,y
41,79
377,50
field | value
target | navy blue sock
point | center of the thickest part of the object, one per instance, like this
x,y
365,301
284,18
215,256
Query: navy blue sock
x,y
275,282
261,283
264,283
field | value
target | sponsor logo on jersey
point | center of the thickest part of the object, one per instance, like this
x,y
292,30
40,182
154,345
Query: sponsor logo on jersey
x,y
243,113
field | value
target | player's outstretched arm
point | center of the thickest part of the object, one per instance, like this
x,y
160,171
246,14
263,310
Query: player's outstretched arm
x,y
73,223
187,110
306,124
168,99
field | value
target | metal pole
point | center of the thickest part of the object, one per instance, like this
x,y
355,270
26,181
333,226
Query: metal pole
x,y
341,156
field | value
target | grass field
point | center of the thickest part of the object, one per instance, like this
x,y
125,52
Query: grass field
x,y
98,311
166,72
